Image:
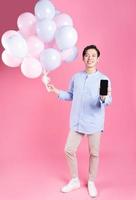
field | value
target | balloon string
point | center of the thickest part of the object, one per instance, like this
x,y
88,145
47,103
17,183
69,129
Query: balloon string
x,y
46,78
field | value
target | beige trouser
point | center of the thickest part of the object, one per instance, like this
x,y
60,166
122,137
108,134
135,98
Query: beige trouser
x,y
73,141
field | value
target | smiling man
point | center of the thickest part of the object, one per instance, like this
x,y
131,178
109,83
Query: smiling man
x,y
86,118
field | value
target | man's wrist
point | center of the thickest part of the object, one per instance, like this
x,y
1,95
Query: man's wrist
x,y
57,91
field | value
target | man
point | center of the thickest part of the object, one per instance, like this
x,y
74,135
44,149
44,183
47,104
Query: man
x,y
86,118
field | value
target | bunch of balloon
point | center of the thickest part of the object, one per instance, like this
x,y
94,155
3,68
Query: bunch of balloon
x,y
42,42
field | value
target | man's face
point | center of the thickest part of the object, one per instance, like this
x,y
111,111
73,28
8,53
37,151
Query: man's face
x,y
90,58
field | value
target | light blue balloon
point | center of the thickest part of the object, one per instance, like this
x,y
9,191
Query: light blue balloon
x,y
66,37
46,30
50,59
69,55
44,9
17,46
57,12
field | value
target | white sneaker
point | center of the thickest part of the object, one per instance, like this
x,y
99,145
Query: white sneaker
x,y
73,184
92,189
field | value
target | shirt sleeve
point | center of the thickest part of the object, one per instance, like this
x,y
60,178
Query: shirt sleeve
x,y
108,99
67,95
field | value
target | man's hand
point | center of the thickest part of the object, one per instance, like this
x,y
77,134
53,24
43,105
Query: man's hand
x,y
52,88
49,87
103,97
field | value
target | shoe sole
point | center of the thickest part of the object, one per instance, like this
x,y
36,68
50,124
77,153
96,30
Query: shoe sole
x,y
70,190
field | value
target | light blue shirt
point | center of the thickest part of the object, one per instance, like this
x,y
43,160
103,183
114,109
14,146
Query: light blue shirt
x,y
87,111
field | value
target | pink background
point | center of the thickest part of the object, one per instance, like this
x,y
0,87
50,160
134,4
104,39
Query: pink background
x,y
34,124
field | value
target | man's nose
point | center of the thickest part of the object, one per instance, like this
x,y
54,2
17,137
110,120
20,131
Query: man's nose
x,y
90,57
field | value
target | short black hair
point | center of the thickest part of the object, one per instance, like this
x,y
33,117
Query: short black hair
x,y
90,47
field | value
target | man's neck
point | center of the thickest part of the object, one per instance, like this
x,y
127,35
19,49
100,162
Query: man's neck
x,y
90,70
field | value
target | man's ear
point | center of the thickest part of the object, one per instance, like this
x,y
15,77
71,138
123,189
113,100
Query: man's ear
x,y
98,59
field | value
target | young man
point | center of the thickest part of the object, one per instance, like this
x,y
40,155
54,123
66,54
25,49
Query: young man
x,y
86,118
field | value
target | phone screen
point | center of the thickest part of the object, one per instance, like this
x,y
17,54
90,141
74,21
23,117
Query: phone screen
x,y
103,87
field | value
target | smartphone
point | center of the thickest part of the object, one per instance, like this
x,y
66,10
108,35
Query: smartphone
x,y
103,87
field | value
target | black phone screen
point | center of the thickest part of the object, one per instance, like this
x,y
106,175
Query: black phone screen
x,y
103,87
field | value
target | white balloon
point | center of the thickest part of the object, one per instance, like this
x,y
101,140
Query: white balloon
x,y
44,9
66,37
10,60
69,55
26,23
6,36
31,67
50,59
46,30
16,46
63,20
35,46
